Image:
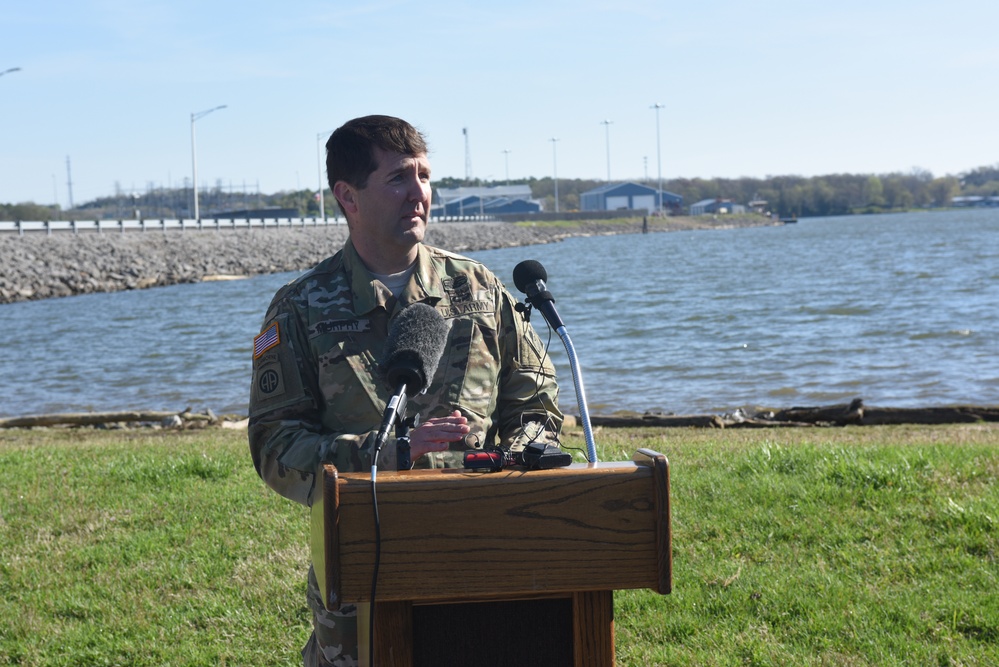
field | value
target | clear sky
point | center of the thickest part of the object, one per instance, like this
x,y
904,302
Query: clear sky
x,y
760,88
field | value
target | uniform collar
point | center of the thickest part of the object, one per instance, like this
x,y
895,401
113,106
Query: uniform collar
x,y
424,285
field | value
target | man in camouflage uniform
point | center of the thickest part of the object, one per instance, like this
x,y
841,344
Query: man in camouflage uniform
x,y
317,396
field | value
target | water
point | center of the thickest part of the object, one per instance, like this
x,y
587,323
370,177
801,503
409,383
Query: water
x,y
898,309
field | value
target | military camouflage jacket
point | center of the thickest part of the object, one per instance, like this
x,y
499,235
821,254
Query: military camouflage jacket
x,y
317,397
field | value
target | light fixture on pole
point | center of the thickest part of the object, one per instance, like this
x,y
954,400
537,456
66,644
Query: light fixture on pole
x,y
506,160
659,159
319,164
607,123
8,71
554,141
194,156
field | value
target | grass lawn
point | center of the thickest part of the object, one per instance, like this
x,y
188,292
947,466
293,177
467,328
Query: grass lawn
x,y
847,546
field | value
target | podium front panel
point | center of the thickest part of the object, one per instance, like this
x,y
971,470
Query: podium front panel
x,y
450,535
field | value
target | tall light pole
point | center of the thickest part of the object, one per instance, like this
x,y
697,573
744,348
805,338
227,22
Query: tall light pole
x,y
554,141
659,159
506,161
607,123
468,156
319,165
194,155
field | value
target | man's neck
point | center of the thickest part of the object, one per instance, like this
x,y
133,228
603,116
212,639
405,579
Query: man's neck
x,y
386,264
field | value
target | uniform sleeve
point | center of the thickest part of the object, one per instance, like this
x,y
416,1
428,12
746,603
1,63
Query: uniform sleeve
x,y
528,399
288,441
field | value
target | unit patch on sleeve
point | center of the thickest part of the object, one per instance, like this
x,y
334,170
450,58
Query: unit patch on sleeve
x,y
266,340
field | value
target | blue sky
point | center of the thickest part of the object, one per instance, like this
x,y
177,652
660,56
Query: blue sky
x,y
749,89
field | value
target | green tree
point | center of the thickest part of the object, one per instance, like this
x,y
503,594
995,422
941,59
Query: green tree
x,y
943,190
29,211
874,192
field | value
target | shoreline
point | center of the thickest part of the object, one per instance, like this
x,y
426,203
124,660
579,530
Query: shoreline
x,y
40,266
855,413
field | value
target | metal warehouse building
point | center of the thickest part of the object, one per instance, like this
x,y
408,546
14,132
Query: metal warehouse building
x,y
627,196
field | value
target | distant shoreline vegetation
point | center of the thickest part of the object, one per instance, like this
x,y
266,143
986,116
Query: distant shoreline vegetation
x,y
784,196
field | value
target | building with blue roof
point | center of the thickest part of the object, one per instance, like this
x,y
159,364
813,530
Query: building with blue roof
x,y
629,197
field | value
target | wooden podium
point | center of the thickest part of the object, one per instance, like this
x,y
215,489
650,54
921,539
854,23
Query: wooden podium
x,y
495,568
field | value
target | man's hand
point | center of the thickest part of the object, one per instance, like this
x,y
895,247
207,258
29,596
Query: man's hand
x,y
434,434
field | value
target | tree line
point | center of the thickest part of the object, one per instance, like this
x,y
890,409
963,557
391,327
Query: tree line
x,y
833,194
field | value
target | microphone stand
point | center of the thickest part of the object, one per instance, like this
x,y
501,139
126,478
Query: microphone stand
x,y
395,410
577,383
405,461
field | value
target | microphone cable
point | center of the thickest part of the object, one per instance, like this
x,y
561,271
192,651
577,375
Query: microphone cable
x,y
413,350
378,558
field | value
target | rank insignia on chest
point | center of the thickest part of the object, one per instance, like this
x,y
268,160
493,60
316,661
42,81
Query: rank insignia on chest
x,y
458,288
265,340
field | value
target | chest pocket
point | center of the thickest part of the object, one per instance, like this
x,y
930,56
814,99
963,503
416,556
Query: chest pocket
x,y
470,366
347,377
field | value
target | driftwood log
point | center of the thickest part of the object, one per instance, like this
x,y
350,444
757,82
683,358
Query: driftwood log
x,y
853,413
857,413
953,415
171,419
666,421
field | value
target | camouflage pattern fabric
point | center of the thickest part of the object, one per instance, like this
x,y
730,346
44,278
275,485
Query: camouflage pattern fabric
x,y
334,637
317,397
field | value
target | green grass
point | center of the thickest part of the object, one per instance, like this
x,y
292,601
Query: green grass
x,y
853,546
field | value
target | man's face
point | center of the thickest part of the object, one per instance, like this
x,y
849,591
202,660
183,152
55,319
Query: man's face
x,y
390,213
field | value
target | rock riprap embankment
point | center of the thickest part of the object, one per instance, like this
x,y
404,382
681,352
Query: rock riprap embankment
x,y
42,266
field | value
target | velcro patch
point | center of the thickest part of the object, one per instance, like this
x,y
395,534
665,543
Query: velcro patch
x,y
265,340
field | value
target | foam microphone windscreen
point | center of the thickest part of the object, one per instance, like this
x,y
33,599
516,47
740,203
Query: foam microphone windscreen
x,y
414,347
527,272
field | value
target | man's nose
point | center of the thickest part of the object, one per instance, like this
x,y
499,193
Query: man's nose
x,y
417,189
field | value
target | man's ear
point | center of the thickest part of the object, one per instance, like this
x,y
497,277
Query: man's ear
x,y
346,196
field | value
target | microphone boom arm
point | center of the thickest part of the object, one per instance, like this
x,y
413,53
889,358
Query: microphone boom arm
x,y
577,383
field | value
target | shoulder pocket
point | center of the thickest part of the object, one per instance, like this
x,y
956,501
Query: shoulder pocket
x,y
276,380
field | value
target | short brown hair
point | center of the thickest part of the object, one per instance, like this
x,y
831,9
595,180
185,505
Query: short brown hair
x,y
350,149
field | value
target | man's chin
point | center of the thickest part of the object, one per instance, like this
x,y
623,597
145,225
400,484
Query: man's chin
x,y
416,231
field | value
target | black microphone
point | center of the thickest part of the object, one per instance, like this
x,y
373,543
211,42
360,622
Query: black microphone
x,y
529,277
413,349
412,352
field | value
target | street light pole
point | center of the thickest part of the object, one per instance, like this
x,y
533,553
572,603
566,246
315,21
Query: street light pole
x,y
319,164
607,123
554,141
506,160
194,156
659,159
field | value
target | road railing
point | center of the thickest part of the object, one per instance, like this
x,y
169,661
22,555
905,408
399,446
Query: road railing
x,y
22,227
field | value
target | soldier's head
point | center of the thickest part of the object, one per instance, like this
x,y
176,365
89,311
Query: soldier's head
x,y
350,150
380,175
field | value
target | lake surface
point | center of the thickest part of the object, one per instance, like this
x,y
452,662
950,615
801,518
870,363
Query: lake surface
x,y
901,310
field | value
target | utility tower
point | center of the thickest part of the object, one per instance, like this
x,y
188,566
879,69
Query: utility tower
x,y
69,182
468,156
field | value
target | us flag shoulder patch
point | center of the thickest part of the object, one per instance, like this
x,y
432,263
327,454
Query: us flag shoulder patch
x,y
267,339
